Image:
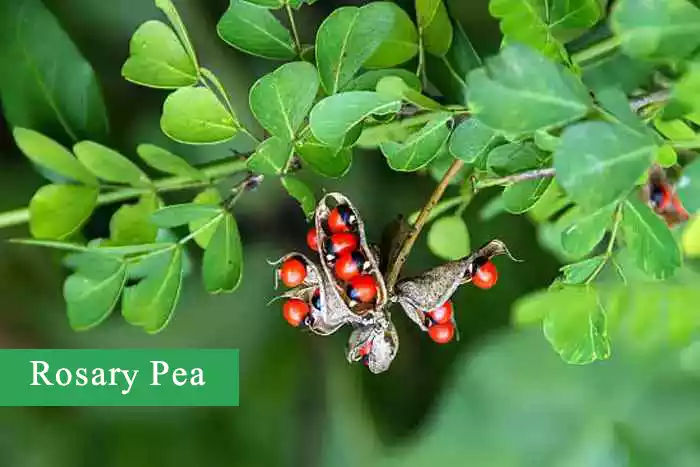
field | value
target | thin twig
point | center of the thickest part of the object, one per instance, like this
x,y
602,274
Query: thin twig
x,y
529,175
292,23
21,216
407,245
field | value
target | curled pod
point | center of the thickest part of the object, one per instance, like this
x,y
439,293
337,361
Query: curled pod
x,y
374,343
434,287
333,203
312,273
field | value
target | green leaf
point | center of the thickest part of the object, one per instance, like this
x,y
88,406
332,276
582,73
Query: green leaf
x,y
45,83
397,130
394,86
91,297
439,166
48,153
521,91
579,273
222,265
349,37
674,130
598,162
271,156
58,211
657,29
302,193
151,302
421,147
449,73
109,165
205,228
546,141
131,224
586,231
574,322
368,80
690,239
615,101
273,4
448,238
333,117
256,31
666,156
324,160
684,98
545,25
281,100
158,59
196,116
167,162
472,140
181,214
521,196
649,239
688,187
399,46
512,158
434,25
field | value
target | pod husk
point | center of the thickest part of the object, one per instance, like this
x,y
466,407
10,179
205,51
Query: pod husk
x,y
384,340
321,215
434,287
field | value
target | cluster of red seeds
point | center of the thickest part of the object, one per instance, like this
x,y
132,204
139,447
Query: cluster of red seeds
x,y
341,250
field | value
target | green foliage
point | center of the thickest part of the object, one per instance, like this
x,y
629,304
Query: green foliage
x,y
448,238
421,147
434,25
689,187
59,211
49,154
611,111
657,29
158,59
108,165
649,240
281,100
520,91
348,38
48,90
302,193
222,265
256,31
196,116
598,163
546,25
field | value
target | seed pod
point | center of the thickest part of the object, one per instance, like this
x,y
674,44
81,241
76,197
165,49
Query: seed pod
x,y
377,342
325,206
434,287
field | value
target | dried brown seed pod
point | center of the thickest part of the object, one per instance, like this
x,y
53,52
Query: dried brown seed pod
x,y
434,287
323,210
377,343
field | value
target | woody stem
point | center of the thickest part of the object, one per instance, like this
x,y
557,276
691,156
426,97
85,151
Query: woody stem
x,y
410,240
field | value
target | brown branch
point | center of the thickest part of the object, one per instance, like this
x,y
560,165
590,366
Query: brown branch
x,y
407,245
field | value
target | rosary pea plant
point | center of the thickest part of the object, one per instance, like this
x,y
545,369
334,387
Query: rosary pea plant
x,y
587,120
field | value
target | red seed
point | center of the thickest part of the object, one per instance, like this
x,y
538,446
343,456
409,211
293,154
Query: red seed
x,y
349,265
341,219
486,276
442,333
340,243
292,272
363,289
441,314
294,311
312,239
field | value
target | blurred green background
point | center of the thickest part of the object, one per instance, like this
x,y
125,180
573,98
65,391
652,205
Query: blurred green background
x,y
495,398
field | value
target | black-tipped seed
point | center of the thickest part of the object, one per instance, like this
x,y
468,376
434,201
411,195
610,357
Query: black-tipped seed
x,y
341,219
